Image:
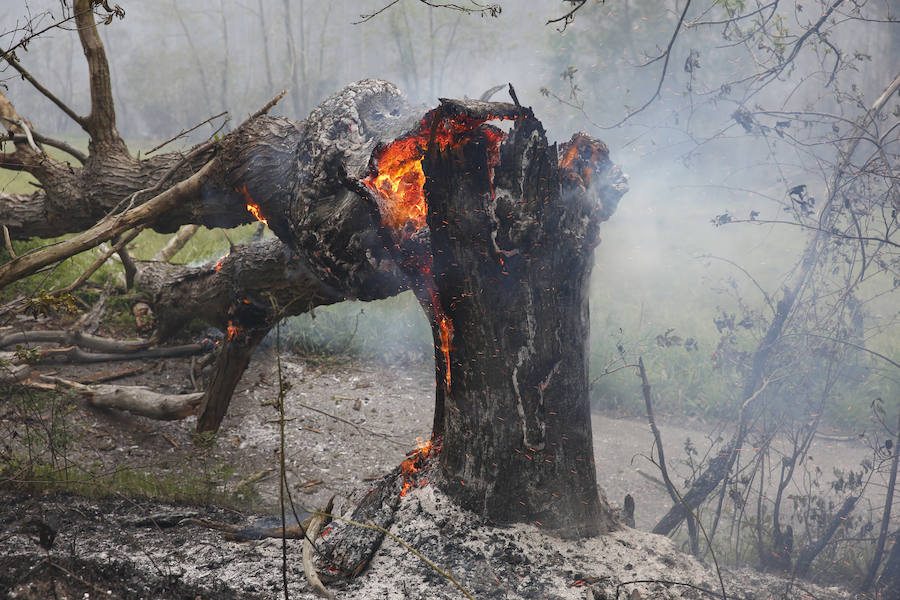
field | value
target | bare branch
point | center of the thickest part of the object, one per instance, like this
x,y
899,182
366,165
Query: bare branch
x,y
662,77
492,10
184,132
82,121
569,16
52,142
101,122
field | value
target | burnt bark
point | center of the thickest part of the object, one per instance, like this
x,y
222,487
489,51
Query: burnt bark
x,y
502,268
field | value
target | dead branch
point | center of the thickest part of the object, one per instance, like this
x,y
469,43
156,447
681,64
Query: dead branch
x,y
72,338
52,142
107,377
101,122
138,400
107,228
184,132
47,93
73,354
664,471
312,532
176,243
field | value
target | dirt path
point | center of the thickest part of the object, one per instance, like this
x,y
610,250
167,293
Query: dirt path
x,y
349,423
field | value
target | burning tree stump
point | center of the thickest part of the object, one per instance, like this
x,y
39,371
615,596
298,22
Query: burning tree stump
x,y
496,234
513,231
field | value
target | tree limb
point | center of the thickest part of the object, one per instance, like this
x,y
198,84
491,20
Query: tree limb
x,y
101,122
47,93
107,228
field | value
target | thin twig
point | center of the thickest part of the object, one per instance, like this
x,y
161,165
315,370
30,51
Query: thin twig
x,y
665,582
569,16
352,424
184,132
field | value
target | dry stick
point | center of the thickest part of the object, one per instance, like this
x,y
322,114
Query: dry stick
x,y
886,516
184,132
8,243
308,568
657,437
101,260
176,243
281,465
72,338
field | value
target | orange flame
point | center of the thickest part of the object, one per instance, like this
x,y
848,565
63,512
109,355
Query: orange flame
x,y
252,206
587,151
399,183
233,330
415,461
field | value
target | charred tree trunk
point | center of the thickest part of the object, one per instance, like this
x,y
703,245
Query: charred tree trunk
x,y
512,239
499,256
500,259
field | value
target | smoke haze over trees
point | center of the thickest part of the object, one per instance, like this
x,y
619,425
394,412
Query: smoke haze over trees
x,y
754,266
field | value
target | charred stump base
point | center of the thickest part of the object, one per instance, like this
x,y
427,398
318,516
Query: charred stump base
x,y
496,235
513,229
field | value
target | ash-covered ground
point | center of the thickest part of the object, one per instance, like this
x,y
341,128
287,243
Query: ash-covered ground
x,y
348,425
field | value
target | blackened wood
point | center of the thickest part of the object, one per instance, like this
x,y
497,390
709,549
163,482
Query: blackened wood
x,y
347,550
512,258
890,575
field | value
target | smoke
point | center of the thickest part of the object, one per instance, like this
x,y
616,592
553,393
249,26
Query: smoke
x,y
701,149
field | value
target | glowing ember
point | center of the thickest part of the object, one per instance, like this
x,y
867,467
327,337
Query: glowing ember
x,y
399,184
415,461
588,150
233,330
399,181
252,206
220,262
